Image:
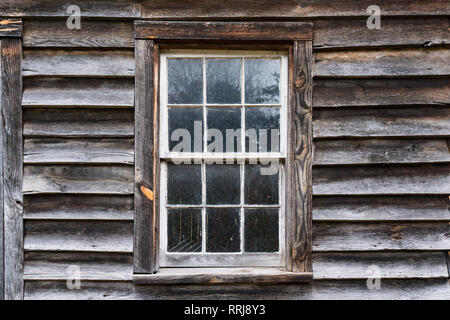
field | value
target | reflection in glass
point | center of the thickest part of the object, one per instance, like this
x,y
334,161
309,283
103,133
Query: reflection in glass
x,y
224,120
222,230
184,230
262,125
185,129
223,184
223,81
184,184
261,230
259,188
185,77
262,81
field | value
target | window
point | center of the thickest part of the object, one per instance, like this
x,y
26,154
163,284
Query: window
x,y
222,149
223,152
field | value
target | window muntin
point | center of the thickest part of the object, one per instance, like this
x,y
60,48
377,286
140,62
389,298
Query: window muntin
x,y
224,90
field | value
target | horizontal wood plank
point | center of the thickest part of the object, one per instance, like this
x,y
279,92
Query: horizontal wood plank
x,y
373,151
380,92
78,179
97,266
93,34
82,236
77,151
195,9
221,275
382,180
430,289
78,92
58,8
391,265
381,208
382,63
78,63
78,207
195,30
338,236
11,27
332,34
88,123
382,122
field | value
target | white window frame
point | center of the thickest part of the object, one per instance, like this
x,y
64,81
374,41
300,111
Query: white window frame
x,y
204,259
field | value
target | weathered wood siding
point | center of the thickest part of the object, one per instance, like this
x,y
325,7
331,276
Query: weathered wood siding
x,y
78,104
381,181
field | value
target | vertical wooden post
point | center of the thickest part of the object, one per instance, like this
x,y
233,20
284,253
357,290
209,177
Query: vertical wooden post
x,y
299,160
12,151
2,259
146,158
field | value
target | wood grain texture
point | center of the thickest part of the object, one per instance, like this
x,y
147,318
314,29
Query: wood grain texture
x,y
86,179
382,63
11,27
11,90
79,123
2,257
78,63
221,275
336,236
146,234
195,9
299,160
392,265
78,151
377,151
448,262
78,92
78,207
80,236
93,34
381,92
382,122
194,30
58,8
97,266
429,289
382,180
427,32
381,208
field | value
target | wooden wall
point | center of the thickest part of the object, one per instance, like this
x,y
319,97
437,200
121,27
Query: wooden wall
x,y
78,131
381,130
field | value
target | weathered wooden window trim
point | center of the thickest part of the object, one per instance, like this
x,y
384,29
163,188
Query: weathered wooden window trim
x,y
11,230
297,36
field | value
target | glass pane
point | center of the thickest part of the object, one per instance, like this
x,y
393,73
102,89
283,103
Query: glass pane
x,y
184,230
223,184
260,188
224,129
186,129
261,230
262,79
185,77
223,230
223,81
184,184
262,125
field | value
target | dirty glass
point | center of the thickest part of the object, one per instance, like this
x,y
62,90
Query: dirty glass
x,y
185,81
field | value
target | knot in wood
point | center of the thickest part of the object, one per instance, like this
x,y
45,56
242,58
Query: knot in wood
x,y
147,193
300,81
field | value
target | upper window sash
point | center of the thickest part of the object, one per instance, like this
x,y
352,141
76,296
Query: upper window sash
x,y
165,153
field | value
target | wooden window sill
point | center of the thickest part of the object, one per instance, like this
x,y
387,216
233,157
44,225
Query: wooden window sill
x,y
221,276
